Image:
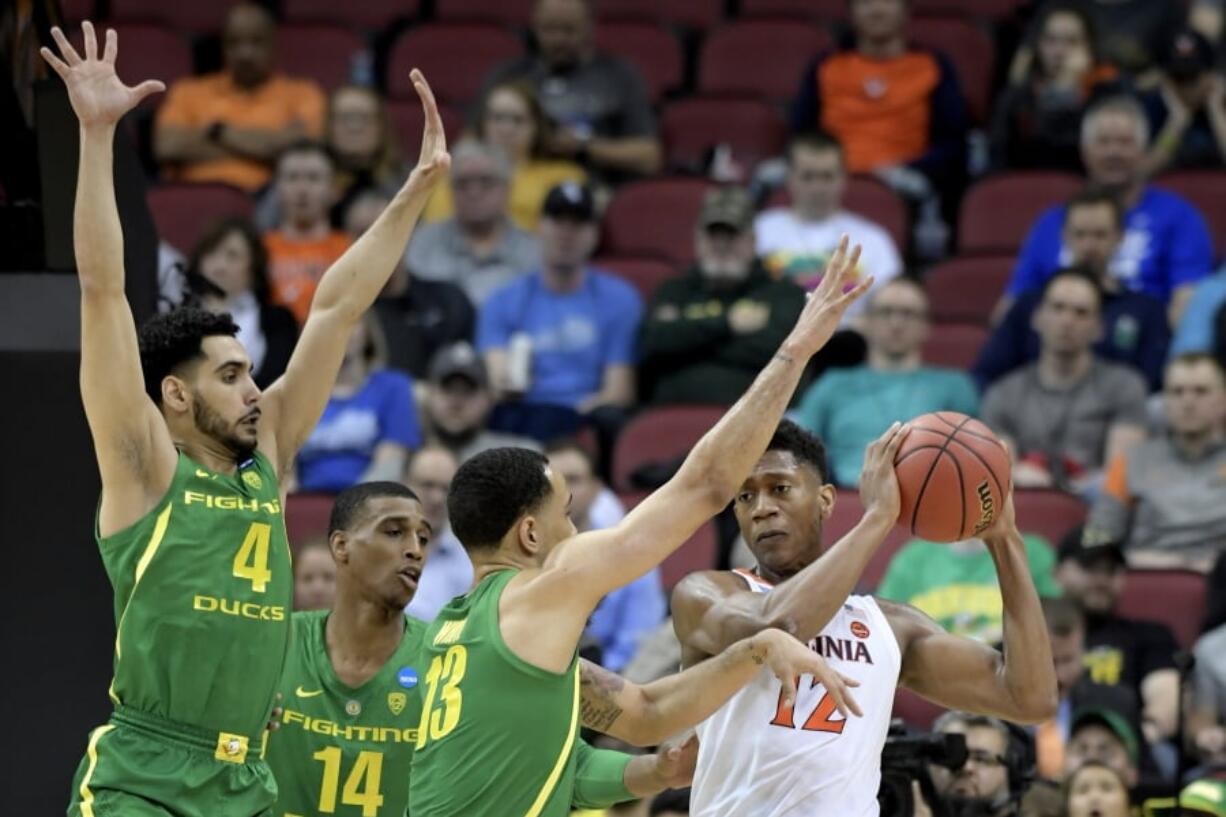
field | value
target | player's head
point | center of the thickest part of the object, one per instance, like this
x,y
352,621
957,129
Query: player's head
x,y
1194,396
304,184
1093,228
1095,789
817,175
508,503
563,31
1091,571
576,465
783,502
984,779
199,375
1066,631
1104,736
1114,138
896,322
247,44
379,534
1068,319
314,575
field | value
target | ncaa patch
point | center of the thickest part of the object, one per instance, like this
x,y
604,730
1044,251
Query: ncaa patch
x,y
859,629
396,702
407,677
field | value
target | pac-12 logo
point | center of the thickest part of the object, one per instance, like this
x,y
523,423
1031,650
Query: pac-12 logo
x,y
253,480
396,702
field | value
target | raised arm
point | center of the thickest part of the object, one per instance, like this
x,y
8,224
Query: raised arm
x,y
647,714
1018,685
135,454
349,287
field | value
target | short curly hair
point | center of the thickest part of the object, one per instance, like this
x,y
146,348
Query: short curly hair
x,y
491,491
172,339
806,447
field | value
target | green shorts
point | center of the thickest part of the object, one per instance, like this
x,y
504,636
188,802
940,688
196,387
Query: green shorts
x,y
140,765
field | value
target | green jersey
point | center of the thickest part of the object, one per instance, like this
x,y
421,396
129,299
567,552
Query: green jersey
x,y
497,736
344,750
203,588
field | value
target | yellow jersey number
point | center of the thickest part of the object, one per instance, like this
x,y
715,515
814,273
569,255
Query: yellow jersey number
x,y
361,786
441,710
251,561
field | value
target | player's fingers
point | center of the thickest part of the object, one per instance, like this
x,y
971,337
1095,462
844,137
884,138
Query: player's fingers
x,y
111,49
91,40
843,698
851,265
57,64
789,689
70,54
834,266
853,295
896,441
149,86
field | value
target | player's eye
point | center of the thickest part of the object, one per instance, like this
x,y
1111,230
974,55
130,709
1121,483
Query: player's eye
x,y
394,531
743,497
782,489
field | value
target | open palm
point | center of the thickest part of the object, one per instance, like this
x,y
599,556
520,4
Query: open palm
x,y
827,304
433,161
94,89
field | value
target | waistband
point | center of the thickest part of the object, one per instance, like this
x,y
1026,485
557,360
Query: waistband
x,y
225,746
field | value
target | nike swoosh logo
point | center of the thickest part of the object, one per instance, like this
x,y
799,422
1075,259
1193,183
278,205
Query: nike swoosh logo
x,y
302,693
203,474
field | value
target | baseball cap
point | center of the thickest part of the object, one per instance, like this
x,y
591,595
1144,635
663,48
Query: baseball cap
x,y
1085,546
1113,721
458,360
727,207
1188,55
1207,796
570,200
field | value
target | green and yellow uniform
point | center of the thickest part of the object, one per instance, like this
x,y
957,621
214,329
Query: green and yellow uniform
x,y
498,737
343,750
203,590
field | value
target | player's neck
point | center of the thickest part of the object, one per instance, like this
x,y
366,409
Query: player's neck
x,y
206,451
361,636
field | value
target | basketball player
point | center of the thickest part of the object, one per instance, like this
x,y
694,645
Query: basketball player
x,y
351,683
501,696
762,755
191,456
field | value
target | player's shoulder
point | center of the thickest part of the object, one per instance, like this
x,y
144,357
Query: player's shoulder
x,y
706,587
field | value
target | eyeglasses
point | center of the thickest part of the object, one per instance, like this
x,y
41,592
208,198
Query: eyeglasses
x,y
506,118
476,182
982,758
906,313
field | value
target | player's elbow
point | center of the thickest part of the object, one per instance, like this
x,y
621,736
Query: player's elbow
x,y
1035,706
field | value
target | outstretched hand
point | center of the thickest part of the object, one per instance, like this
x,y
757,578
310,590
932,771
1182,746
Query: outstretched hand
x,y
828,303
97,95
789,659
434,160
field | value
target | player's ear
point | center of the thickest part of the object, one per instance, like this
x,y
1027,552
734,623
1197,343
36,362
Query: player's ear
x,y
339,544
175,393
827,494
529,537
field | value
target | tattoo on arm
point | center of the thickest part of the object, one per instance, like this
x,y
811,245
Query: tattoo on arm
x,y
598,689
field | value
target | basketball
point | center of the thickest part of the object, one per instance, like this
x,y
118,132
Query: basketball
x,y
953,476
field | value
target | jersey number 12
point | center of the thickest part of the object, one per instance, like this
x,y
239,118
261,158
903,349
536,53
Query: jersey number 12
x,y
819,721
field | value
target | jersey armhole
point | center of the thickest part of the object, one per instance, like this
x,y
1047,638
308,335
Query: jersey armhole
x,y
494,633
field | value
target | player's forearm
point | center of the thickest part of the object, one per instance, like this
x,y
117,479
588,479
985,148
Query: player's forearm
x,y
641,777
97,233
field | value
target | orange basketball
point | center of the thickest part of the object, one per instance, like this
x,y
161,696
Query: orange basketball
x,y
953,475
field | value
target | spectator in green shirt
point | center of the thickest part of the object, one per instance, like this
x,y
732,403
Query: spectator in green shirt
x,y
849,408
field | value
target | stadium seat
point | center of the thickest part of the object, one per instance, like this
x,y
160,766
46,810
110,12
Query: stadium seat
x,y
646,274
691,127
652,49
195,17
762,58
408,118
655,217
1207,190
319,52
955,345
510,13
183,212
1049,513
997,212
367,15
872,199
847,512
75,11
695,14
146,52
806,9
1174,597
964,290
306,516
659,435
970,50
993,10
916,712
700,551
437,50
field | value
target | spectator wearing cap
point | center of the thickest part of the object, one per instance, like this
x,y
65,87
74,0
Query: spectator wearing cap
x,y
1187,110
1101,735
448,571
710,331
559,343
1165,499
1200,798
459,405
598,103
1120,652
418,317
479,249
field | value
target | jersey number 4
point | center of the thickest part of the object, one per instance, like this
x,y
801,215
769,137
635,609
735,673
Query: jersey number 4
x,y
819,721
251,561
361,786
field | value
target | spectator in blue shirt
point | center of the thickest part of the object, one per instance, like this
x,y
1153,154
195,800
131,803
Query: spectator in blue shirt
x,y
1135,330
1198,328
1166,247
560,342
626,615
369,425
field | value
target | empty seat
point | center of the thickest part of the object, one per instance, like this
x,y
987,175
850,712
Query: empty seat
x,y
183,212
1174,597
868,197
646,274
652,49
196,17
690,128
1049,513
970,50
964,290
659,435
847,512
655,217
515,13
306,516
954,345
455,57
695,14
369,15
407,121
997,212
1207,190
319,52
806,9
762,58
146,51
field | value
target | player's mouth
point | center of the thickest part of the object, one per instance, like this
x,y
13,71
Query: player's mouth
x,y
251,418
772,535
410,576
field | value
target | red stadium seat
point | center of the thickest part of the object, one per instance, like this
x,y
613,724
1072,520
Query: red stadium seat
x,y
513,13
970,50
1049,513
646,274
762,58
998,211
456,57
196,17
407,120
319,52
655,217
806,9
659,435
306,516
847,512
651,47
1174,597
699,552
918,713
692,127
146,52
964,290
695,14
1207,190
183,212
872,199
368,15
954,345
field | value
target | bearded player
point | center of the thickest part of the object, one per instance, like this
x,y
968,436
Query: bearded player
x,y
761,754
351,685
191,456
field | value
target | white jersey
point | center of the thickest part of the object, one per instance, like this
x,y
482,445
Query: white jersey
x,y
760,759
